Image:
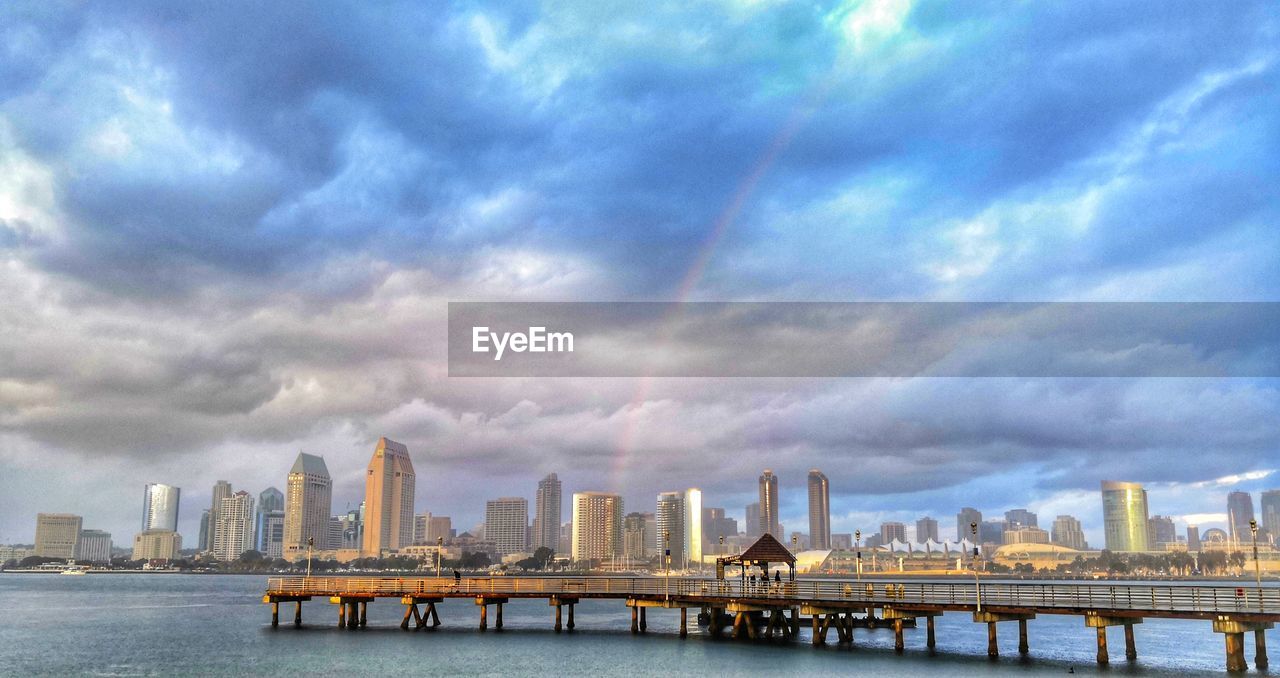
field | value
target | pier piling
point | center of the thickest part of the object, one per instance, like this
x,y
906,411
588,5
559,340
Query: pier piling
x,y
1260,649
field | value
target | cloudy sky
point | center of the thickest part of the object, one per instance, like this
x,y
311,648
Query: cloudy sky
x,y
229,233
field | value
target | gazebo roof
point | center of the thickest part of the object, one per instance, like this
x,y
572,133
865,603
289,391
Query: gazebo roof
x,y
767,550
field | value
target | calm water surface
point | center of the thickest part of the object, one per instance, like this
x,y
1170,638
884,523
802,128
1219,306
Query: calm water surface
x,y
141,625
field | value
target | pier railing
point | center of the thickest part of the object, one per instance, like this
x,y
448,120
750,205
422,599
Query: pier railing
x,y
1192,599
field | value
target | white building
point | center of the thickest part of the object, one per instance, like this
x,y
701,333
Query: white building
x,y
234,532
506,524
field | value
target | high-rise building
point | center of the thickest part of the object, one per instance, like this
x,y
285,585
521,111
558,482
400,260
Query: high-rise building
x,y
234,532
966,517
1124,516
751,522
94,546
57,535
1020,518
842,541
421,525
715,524
1025,535
204,530
160,507
893,531
157,545
992,531
926,530
1271,515
221,490
634,543
546,517
693,527
1068,532
439,527
269,533
1193,538
769,504
597,526
269,500
670,526
1239,513
307,502
506,524
388,499
819,510
351,529
1160,531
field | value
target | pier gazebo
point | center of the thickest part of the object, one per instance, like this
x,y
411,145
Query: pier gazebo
x,y
765,550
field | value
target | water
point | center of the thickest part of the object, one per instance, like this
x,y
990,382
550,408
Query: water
x,y
141,625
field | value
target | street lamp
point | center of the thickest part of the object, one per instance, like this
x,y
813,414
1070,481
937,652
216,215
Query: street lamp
x,y
977,584
1257,566
857,545
439,548
666,556
311,542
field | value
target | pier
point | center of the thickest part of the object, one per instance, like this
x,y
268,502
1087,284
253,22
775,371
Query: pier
x,y
769,610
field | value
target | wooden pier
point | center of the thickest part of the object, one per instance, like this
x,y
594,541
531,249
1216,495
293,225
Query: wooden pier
x,y
778,610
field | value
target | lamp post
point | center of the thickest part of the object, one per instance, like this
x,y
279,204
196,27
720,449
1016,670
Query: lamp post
x,y
1257,566
977,584
666,557
439,555
858,548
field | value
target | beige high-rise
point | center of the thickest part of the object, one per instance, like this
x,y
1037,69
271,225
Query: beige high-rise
x,y
307,500
388,499
597,526
57,534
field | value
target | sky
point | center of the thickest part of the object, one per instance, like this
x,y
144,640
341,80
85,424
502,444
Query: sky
x,y
229,233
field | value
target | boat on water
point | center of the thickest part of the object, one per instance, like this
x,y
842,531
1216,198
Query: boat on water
x,y
75,570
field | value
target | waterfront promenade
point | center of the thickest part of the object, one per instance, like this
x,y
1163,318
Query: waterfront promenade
x,y
832,609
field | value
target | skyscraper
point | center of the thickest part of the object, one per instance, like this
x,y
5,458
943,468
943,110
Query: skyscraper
x,y
269,500
307,501
506,523
1124,516
1239,513
269,533
234,531
597,526
751,522
670,526
94,546
1161,530
546,518
891,531
715,524
57,535
692,527
160,507
769,504
1020,518
205,521
388,499
819,511
1068,532
634,542
221,490
1193,538
926,530
966,517
1271,515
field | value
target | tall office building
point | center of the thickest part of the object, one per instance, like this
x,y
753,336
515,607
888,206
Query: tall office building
x,y
597,526
204,530
1239,513
1020,518
1160,531
421,525
670,526
506,524
769,504
693,527
1193,538
221,490
439,527
926,530
1271,515
546,517
57,535
819,511
233,534
964,519
634,542
1068,532
715,525
891,531
94,546
751,522
269,500
307,501
1124,516
269,533
388,499
160,507
157,545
